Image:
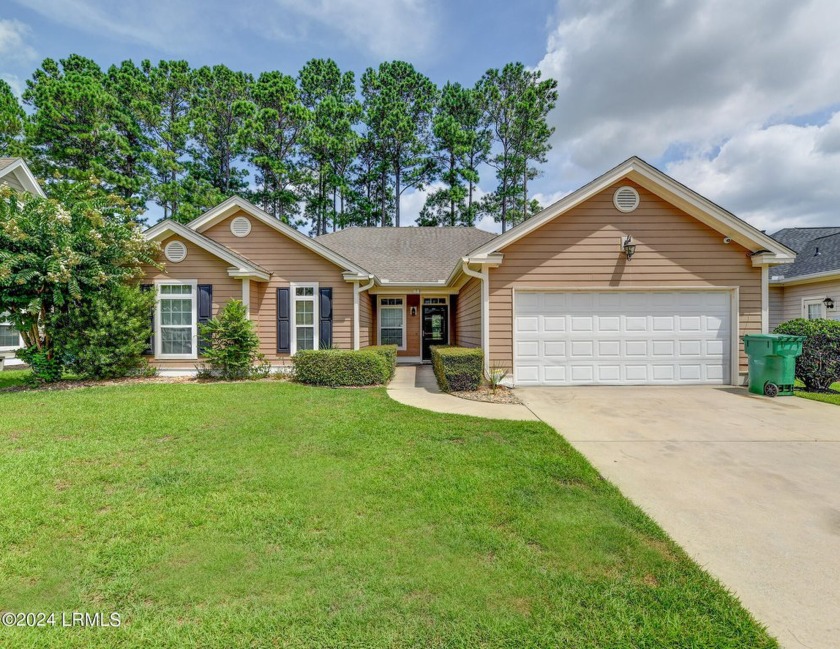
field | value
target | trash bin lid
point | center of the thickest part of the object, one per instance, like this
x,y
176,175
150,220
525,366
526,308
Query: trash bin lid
x,y
781,338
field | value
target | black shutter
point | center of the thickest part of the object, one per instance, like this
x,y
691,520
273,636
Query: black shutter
x,y
205,312
325,313
150,349
283,327
453,320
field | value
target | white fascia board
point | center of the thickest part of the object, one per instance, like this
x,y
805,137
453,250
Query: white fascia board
x,y
768,259
24,176
813,278
244,273
235,203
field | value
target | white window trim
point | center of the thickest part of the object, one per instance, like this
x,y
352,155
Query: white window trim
x,y
7,348
158,338
807,301
316,314
391,306
445,299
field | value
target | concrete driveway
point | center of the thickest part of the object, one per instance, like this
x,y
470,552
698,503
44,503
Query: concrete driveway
x,y
749,486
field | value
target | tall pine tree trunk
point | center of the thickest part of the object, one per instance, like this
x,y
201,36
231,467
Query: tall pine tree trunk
x,y
451,185
397,196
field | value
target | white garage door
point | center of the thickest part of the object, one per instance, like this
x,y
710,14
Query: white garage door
x,y
612,338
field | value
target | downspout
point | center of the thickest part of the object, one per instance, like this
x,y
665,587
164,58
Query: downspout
x,y
765,299
357,291
484,277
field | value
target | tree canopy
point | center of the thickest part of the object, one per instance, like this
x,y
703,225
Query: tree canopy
x,y
315,149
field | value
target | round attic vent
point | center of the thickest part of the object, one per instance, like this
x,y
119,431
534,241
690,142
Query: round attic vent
x,y
175,251
626,199
240,226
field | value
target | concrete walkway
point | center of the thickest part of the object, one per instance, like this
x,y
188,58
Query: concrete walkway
x,y
415,385
748,486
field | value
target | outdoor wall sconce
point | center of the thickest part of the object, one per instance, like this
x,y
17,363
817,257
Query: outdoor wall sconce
x,y
413,311
628,247
829,303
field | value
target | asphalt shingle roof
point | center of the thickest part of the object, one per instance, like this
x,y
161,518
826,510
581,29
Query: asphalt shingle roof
x,y
798,238
406,254
820,253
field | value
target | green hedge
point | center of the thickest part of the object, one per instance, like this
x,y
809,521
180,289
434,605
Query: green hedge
x,y
389,352
819,365
341,367
458,369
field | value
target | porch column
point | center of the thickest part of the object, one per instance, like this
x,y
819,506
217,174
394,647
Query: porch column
x,y
246,296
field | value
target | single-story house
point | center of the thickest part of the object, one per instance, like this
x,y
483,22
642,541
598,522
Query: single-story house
x,y
632,279
810,286
15,174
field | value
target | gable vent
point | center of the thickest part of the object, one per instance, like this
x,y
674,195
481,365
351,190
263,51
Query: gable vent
x,y
240,226
626,199
175,251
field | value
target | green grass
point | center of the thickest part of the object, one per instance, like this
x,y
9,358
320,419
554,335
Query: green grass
x,y
13,378
825,397
273,514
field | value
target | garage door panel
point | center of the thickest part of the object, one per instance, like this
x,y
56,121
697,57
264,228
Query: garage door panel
x,y
622,337
554,323
555,349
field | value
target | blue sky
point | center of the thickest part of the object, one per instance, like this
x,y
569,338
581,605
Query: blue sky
x,y
741,101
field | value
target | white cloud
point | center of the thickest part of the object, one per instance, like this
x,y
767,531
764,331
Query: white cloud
x,y
387,28
669,80
163,24
13,42
780,176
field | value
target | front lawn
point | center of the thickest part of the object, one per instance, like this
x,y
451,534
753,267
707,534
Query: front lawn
x,y
272,514
13,378
827,397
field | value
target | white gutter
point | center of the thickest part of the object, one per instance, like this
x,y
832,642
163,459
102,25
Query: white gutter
x,y
484,277
357,291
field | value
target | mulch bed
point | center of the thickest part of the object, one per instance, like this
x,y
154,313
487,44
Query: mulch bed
x,y
501,395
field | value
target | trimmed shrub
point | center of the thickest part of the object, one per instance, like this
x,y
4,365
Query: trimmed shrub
x,y
341,367
233,353
104,336
458,369
819,365
389,352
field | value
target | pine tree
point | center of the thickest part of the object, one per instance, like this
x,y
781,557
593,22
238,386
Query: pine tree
x,y
271,135
461,143
168,128
218,106
12,121
517,104
398,106
329,141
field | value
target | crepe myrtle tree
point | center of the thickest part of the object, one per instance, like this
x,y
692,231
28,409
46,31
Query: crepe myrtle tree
x,y
59,253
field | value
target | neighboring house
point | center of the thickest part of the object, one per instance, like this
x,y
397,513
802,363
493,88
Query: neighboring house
x,y
564,298
15,174
810,286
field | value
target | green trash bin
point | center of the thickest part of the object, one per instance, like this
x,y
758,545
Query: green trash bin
x,y
772,362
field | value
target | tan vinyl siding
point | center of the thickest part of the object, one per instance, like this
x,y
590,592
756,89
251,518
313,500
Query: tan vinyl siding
x,y
288,262
777,296
580,249
793,295
204,268
468,315
367,323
